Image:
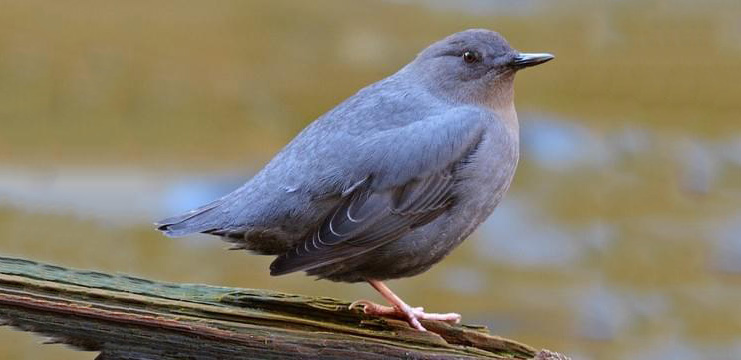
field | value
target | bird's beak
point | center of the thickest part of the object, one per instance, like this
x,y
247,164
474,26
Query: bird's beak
x,y
523,60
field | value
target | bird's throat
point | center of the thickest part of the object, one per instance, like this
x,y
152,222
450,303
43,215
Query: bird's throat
x,y
508,115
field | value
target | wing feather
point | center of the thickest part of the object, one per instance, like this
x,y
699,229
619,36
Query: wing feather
x,y
367,220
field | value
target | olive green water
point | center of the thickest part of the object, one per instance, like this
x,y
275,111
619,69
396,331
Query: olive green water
x,y
621,235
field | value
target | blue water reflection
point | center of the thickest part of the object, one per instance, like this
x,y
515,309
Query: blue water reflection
x,y
727,252
560,145
521,235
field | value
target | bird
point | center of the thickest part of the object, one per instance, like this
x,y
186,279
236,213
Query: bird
x,y
391,180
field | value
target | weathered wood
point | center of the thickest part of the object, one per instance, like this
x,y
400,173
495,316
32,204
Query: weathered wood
x,y
125,317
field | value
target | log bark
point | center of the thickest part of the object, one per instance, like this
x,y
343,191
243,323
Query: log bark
x,y
125,317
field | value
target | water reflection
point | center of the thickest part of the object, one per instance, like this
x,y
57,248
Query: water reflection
x,y
727,251
115,196
606,313
560,145
521,235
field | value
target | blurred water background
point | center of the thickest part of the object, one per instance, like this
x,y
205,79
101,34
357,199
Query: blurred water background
x,y
621,235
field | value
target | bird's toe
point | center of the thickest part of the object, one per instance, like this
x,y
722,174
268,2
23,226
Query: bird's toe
x,y
371,308
452,318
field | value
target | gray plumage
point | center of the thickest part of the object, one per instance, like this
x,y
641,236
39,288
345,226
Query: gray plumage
x,y
391,180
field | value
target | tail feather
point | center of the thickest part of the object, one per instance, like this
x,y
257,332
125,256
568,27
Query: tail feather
x,y
194,221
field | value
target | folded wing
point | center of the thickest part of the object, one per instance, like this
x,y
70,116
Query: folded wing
x,y
406,185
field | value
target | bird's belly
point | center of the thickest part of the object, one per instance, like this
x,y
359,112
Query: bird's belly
x,y
436,240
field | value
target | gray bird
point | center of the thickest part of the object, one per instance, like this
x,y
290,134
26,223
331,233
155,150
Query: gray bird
x,y
387,183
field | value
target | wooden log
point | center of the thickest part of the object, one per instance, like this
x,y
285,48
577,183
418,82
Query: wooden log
x,y
125,317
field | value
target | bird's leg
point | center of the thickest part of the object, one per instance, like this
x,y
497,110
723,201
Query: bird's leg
x,y
400,309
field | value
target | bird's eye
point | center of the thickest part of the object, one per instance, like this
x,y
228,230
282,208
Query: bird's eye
x,y
470,57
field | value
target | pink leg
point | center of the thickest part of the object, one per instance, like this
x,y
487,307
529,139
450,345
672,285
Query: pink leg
x,y
400,309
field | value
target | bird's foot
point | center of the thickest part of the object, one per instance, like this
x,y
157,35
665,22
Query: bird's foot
x,y
405,312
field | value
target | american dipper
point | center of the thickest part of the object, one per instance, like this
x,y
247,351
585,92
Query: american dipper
x,y
387,183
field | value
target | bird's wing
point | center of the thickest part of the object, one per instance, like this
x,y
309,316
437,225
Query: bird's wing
x,y
408,178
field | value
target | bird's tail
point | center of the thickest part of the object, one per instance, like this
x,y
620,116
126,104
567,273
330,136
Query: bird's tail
x,y
202,219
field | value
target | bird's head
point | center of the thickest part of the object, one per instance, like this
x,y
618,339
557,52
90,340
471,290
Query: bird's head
x,y
473,66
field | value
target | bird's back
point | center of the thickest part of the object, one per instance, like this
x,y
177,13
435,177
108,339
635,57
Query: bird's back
x,y
305,180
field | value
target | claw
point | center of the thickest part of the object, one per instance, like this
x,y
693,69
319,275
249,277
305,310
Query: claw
x,y
360,303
